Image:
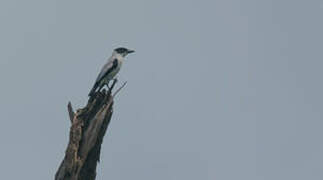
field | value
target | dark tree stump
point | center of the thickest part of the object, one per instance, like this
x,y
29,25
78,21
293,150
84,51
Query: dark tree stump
x,y
88,128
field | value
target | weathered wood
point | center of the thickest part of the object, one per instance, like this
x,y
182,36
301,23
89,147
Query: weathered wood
x,y
89,125
70,111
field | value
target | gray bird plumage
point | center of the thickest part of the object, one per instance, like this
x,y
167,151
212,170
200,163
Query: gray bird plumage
x,y
110,69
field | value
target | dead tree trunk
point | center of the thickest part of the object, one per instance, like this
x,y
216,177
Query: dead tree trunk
x,y
89,125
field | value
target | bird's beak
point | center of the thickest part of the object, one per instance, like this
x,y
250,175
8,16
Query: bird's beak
x,y
130,51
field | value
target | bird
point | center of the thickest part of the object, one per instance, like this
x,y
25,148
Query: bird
x,y
110,69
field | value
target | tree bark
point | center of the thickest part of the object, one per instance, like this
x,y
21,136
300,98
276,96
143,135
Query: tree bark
x,y
89,125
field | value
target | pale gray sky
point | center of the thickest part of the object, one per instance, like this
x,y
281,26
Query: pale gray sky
x,y
217,90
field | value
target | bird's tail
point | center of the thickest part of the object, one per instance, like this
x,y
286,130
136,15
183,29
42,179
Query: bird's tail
x,y
93,89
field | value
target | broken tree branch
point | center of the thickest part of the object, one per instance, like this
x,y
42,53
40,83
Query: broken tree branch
x,y
70,111
117,91
89,125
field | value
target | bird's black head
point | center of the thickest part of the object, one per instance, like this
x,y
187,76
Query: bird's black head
x,y
123,51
